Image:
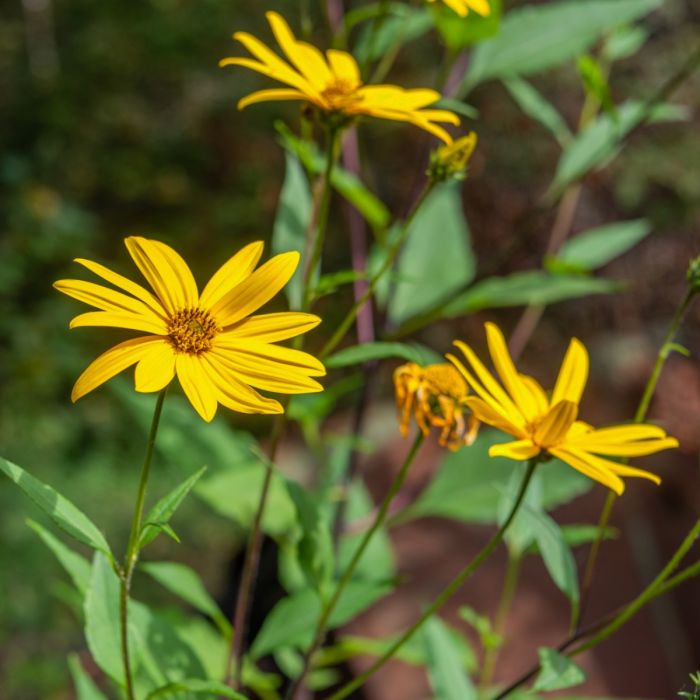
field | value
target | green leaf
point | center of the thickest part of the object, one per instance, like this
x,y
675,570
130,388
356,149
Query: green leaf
x,y
532,39
292,621
186,583
468,484
523,288
594,248
457,106
196,686
292,221
557,671
488,637
446,671
459,32
403,24
328,284
577,535
537,107
312,407
624,42
71,520
85,687
358,354
437,259
600,141
76,565
235,494
158,517
345,183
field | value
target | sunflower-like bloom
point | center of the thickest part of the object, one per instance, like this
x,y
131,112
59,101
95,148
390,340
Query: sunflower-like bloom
x,y
462,7
333,84
435,395
210,340
548,424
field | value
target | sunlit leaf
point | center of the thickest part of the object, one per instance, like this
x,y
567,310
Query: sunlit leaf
x,y
358,354
557,671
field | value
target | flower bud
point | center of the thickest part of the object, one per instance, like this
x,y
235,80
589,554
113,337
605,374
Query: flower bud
x,y
450,162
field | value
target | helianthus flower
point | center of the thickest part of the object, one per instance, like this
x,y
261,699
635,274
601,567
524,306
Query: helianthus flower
x,y
217,349
462,7
436,396
546,424
333,84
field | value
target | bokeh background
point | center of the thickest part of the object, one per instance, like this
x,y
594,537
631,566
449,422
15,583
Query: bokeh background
x,y
117,121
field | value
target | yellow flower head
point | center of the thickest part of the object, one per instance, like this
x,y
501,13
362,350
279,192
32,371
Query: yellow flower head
x,y
218,350
462,7
436,396
452,160
548,424
333,84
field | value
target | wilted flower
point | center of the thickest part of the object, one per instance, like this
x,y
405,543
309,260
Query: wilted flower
x,y
210,340
332,83
450,162
435,395
548,424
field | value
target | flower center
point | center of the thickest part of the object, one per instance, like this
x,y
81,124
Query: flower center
x,y
445,380
191,331
341,93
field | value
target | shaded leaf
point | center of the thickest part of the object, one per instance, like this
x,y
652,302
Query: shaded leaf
x,y
402,24
158,517
557,671
436,259
414,352
193,685
446,670
69,518
85,687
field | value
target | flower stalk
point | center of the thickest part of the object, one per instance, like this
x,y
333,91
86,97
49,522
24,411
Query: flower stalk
x,y
132,551
447,592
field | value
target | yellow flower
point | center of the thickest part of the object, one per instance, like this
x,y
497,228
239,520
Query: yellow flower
x,y
452,160
436,396
210,340
333,84
462,7
547,424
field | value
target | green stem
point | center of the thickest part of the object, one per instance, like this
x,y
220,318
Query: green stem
x,y
342,328
648,594
320,218
446,593
639,416
329,607
510,585
132,550
234,668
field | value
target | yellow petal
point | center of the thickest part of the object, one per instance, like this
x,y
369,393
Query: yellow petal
x,y
480,6
556,423
114,320
236,269
156,369
271,64
396,98
488,388
344,66
258,289
295,360
490,414
126,284
274,95
196,384
581,463
269,328
112,362
508,373
573,374
606,465
233,393
106,299
519,449
266,374
308,59
625,449
536,392
458,6
626,433
166,272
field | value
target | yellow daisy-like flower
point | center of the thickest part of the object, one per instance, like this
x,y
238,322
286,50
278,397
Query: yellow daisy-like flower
x,y
435,395
218,350
462,7
519,406
333,84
